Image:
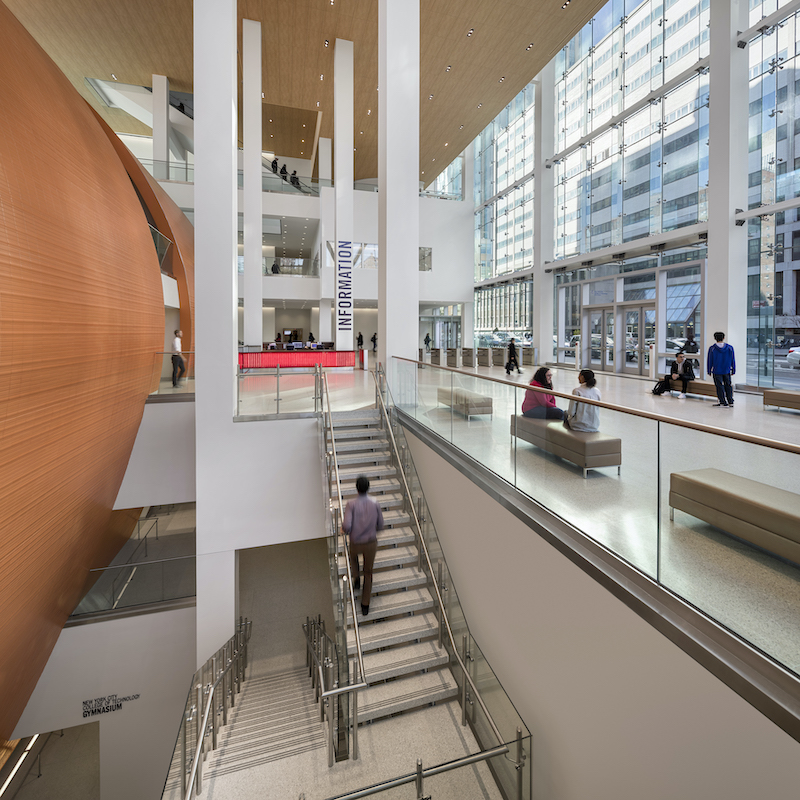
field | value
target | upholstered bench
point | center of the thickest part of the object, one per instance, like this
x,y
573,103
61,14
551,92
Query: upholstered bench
x,y
586,450
707,388
782,398
756,512
468,403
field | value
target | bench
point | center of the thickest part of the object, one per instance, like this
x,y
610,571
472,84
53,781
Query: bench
x,y
782,398
582,448
468,403
707,388
759,514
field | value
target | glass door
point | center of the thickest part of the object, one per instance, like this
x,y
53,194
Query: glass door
x,y
640,332
601,346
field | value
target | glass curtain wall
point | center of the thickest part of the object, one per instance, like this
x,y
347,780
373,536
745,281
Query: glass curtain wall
x,y
647,173
773,239
502,312
504,190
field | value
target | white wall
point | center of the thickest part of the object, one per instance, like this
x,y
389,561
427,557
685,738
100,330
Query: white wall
x,y
616,710
293,318
161,468
151,655
366,321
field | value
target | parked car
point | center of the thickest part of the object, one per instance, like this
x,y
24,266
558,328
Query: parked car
x,y
793,357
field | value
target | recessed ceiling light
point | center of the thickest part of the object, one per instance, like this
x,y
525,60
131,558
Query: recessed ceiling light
x,y
113,76
479,105
502,79
423,172
529,46
369,111
461,128
434,159
321,77
470,31
262,95
446,143
326,43
270,120
431,97
303,141
317,103
448,68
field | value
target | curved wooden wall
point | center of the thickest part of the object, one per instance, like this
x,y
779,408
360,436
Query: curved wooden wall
x,y
81,315
172,223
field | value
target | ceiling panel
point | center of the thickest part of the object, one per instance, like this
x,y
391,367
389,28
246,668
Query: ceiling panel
x,y
132,40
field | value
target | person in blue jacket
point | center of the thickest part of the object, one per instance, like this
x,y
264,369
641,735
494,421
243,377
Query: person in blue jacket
x,y
721,363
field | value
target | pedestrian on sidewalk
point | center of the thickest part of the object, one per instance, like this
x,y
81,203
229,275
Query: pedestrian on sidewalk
x,y
362,521
513,361
721,363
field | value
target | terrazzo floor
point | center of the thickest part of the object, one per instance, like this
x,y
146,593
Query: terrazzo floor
x,y
278,587
749,591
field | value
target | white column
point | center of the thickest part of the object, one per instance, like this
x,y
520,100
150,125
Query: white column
x,y
398,179
325,333
543,214
467,187
725,290
216,308
161,128
468,324
253,229
344,166
325,159
327,233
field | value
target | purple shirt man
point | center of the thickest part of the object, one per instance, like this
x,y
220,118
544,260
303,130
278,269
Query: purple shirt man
x,y
362,521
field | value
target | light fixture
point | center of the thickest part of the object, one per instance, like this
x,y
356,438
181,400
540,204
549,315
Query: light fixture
x,y
369,111
479,105
270,120
461,128
362,133
113,76
448,68
262,95
317,103
322,77
326,43
303,141
529,46
446,143
502,79
470,31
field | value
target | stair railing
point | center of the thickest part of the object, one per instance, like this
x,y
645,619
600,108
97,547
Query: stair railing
x,y
223,674
379,375
360,681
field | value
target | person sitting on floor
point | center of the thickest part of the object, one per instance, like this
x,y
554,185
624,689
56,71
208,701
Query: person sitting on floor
x,y
538,404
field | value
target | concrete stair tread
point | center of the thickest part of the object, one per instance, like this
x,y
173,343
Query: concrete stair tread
x,y
364,457
389,557
375,471
390,605
347,434
394,631
357,445
376,488
390,580
390,537
398,661
403,694
393,516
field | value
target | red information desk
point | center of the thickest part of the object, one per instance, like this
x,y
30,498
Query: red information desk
x,y
269,359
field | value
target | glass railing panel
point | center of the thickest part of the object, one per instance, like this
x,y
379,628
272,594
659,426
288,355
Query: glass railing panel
x,y
166,374
617,510
269,392
481,411
140,583
435,400
732,548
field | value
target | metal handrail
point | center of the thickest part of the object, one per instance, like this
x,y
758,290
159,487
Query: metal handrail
x,y
439,599
340,532
141,563
339,522
484,755
683,423
196,773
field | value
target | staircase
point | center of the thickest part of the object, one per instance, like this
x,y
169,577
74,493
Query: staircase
x,y
403,662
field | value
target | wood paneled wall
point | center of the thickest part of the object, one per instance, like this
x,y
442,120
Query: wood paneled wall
x,y
81,316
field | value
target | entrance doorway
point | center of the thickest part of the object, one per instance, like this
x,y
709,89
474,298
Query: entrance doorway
x,y
601,339
640,333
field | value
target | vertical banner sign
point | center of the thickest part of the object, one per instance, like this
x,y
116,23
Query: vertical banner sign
x,y
344,287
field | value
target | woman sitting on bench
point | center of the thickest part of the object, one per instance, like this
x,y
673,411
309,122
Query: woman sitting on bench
x,y
538,404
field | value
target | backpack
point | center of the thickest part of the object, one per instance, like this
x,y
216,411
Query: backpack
x,y
662,386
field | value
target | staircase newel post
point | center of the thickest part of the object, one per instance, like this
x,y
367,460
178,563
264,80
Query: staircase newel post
x,y
183,754
213,704
420,795
224,693
331,701
464,657
520,764
231,677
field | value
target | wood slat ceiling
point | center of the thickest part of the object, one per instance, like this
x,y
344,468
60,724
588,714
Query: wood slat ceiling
x,y
133,40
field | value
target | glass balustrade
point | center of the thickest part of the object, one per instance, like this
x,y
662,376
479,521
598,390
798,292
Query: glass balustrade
x,y
729,546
